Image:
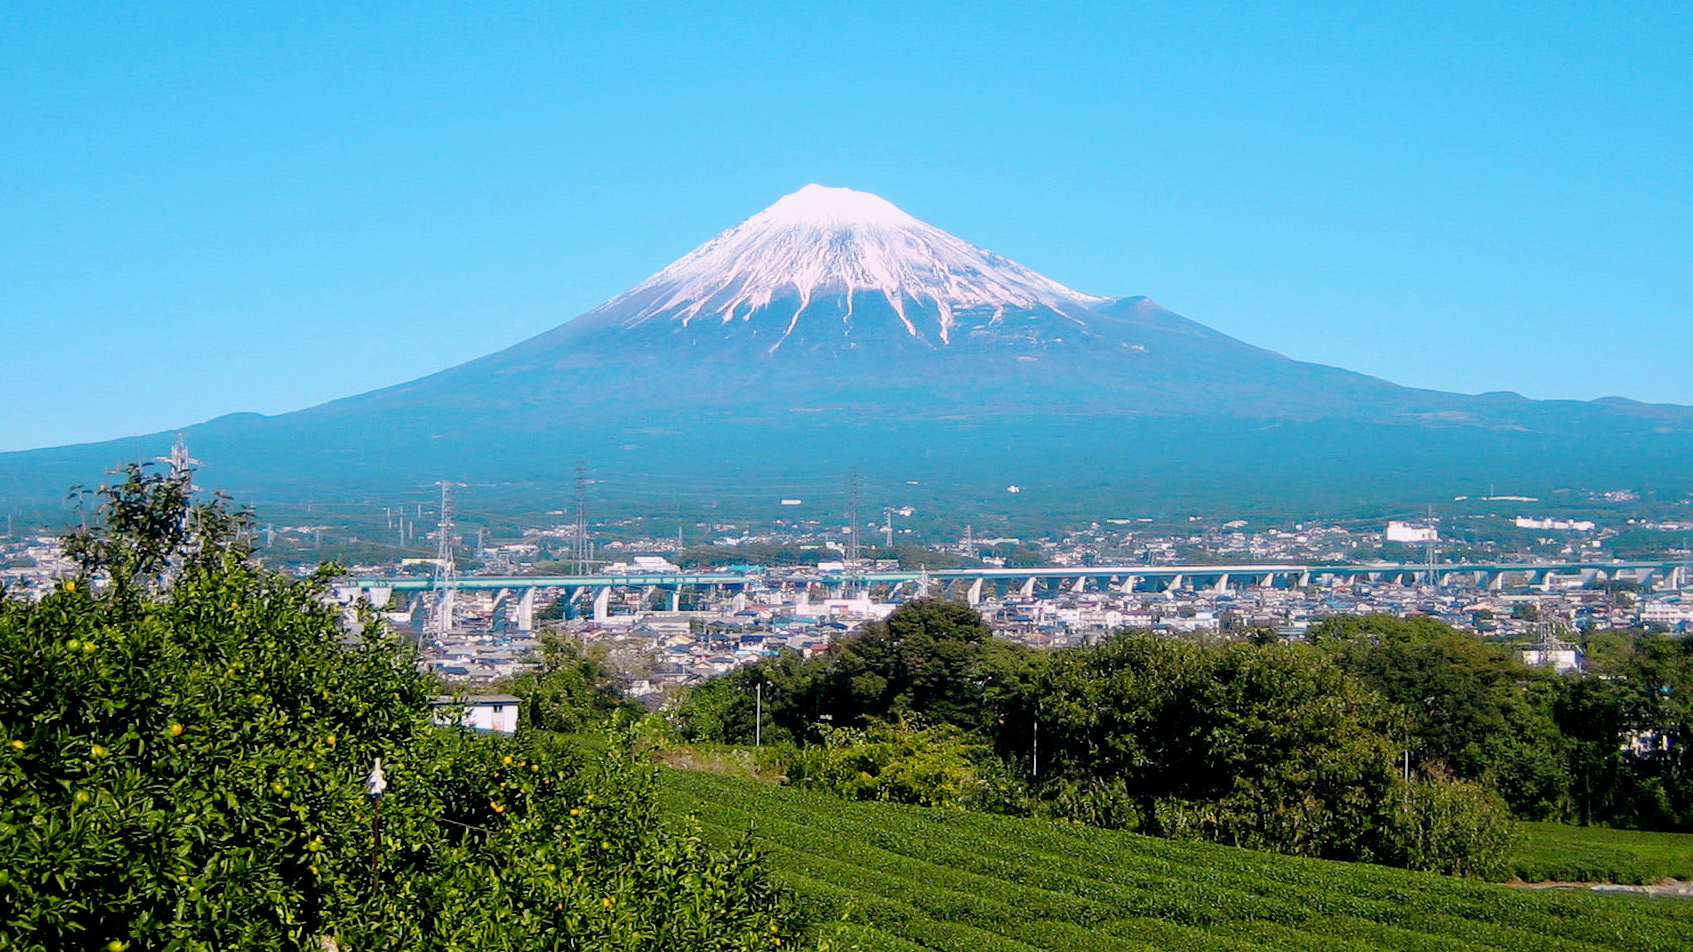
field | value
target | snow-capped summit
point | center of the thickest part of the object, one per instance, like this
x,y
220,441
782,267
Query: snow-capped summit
x,y
820,205
835,267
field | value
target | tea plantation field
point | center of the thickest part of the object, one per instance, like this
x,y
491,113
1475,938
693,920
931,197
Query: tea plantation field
x,y
908,879
1552,851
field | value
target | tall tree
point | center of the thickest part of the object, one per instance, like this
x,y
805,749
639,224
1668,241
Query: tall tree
x,y
925,659
1471,707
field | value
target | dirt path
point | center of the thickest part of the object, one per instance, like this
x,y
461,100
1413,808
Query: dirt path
x,y
1669,887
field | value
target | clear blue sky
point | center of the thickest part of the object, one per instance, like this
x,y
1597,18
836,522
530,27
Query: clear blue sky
x,y
206,209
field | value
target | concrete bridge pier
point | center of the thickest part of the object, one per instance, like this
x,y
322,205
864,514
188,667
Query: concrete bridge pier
x,y
378,597
1080,585
602,603
1029,587
974,595
1222,584
525,615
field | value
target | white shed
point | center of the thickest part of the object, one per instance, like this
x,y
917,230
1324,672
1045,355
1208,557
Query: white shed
x,y
496,713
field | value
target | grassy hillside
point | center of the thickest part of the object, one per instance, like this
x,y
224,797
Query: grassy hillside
x,y
912,879
1554,852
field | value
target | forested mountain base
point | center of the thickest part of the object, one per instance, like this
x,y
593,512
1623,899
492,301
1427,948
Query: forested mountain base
x,y
902,878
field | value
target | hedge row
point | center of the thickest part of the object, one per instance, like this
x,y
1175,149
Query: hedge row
x,y
909,878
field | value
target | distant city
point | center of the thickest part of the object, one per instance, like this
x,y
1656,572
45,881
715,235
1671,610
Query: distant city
x,y
668,612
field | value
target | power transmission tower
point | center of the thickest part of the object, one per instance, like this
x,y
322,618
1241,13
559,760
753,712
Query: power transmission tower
x,y
181,464
579,533
446,571
852,516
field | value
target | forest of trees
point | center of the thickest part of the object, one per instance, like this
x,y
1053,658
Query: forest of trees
x,y
1381,739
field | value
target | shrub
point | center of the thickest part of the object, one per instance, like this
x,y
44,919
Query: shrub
x,y
183,737
896,762
1450,826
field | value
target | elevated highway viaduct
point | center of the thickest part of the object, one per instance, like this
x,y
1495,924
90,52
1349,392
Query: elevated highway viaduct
x,y
972,584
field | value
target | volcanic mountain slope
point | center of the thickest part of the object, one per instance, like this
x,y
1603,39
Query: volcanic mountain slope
x,y
833,330
837,298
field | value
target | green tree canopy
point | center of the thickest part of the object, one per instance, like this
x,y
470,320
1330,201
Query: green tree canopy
x,y
1471,707
926,659
183,742
1267,746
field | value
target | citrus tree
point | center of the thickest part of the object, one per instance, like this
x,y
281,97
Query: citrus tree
x,y
184,737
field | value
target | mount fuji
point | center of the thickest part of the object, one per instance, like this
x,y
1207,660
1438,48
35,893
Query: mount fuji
x,y
832,330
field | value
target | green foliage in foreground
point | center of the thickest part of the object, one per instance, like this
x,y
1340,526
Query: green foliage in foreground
x,y
1552,852
908,879
1268,746
181,756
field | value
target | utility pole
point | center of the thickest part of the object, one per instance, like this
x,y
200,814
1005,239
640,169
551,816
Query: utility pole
x,y
758,715
1034,749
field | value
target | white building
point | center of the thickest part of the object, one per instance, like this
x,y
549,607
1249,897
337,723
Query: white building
x,y
1550,651
494,713
1670,613
1411,532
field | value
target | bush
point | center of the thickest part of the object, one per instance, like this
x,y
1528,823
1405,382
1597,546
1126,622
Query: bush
x,y
895,762
1449,826
183,737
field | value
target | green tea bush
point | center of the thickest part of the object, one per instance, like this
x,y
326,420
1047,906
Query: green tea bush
x,y
1555,852
909,878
